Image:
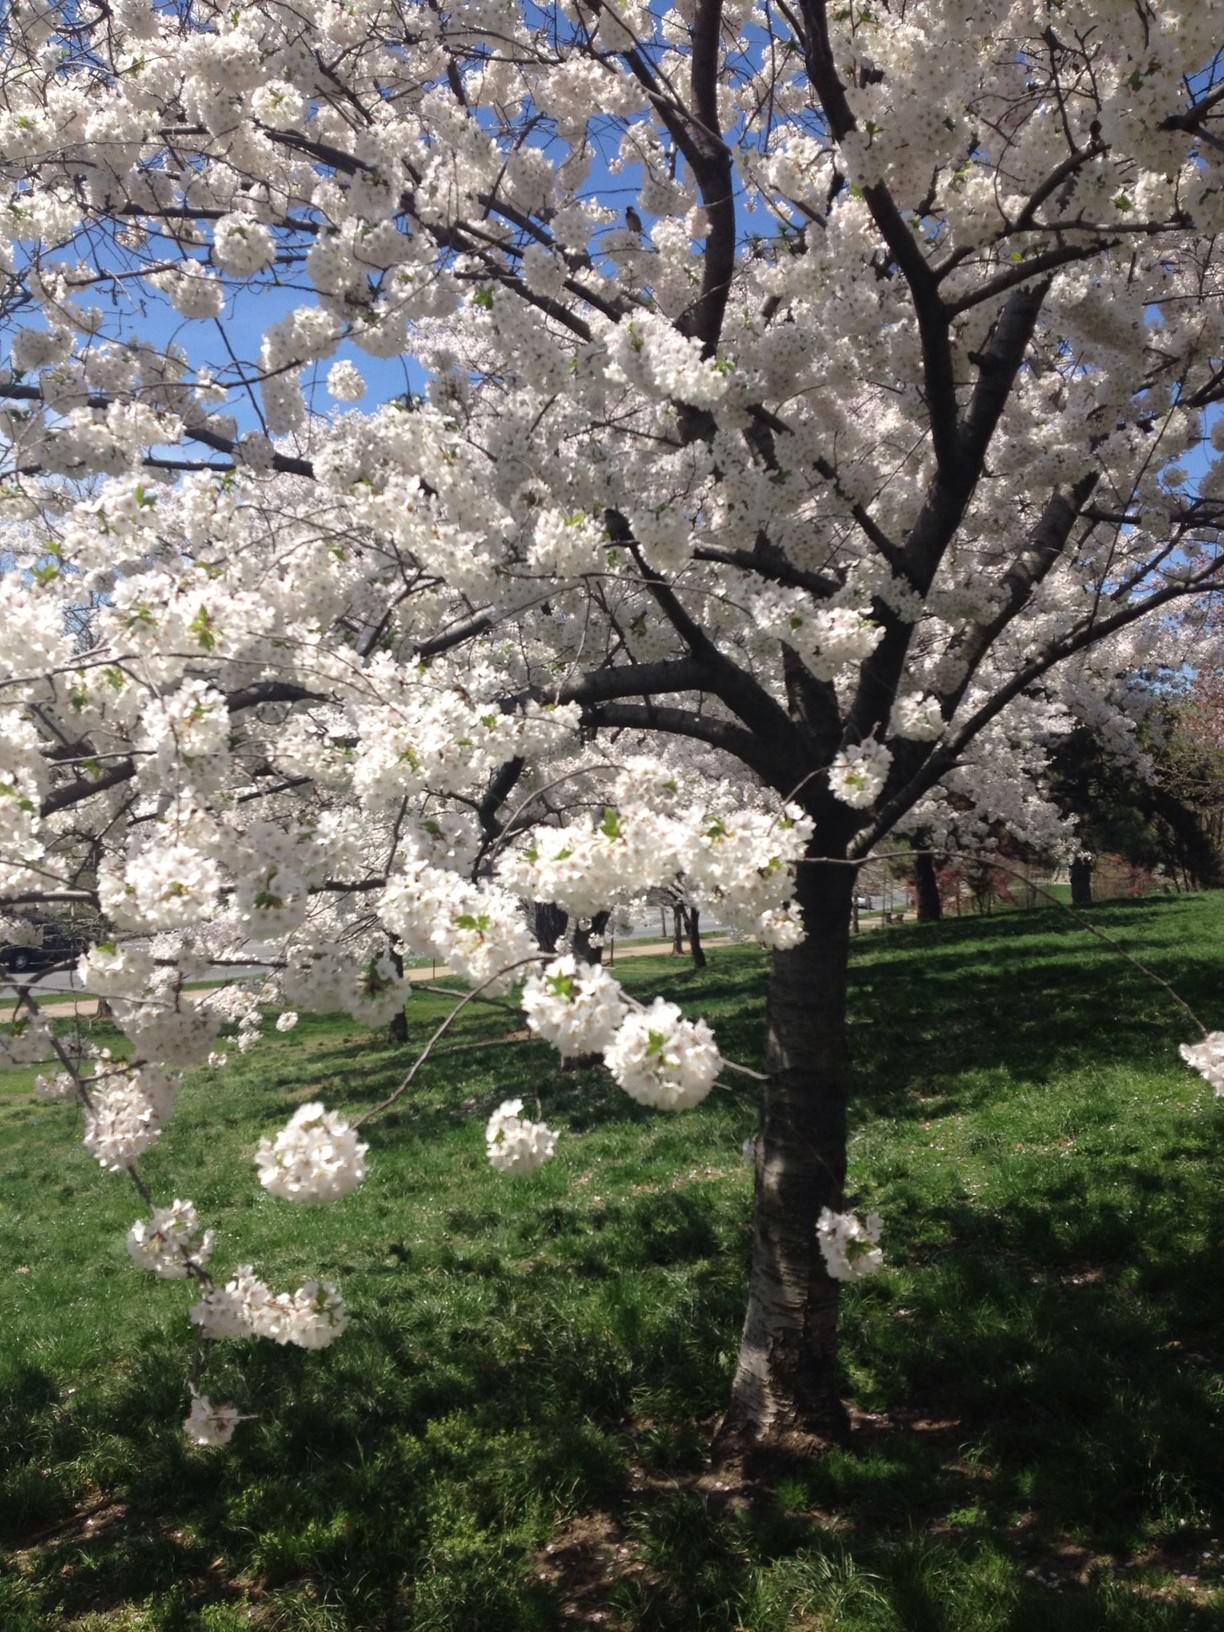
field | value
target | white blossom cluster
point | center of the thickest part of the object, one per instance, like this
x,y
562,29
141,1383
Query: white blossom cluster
x,y
207,1424
315,1157
242,245
739,860
19,932
170,1243
326,977
918,717
663,1060
477,930
858,774
56,1089
126,1109
162,887
514,1144
828,638
311,1318
577,1007
1207,1058
25,1040
849,1245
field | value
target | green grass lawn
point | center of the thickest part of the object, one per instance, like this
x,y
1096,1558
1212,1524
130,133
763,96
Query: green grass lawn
x,y
509,1437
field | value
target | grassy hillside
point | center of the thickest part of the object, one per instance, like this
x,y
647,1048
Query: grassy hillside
x,y
509,1437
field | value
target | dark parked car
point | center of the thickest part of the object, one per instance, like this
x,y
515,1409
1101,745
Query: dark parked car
x,y
61,943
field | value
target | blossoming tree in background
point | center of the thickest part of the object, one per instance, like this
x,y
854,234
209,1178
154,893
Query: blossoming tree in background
x,y
366,480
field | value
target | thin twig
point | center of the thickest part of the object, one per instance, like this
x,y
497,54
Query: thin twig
x,y
468,997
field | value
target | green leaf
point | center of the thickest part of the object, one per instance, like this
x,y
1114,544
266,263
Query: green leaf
x,y
201,626
467,920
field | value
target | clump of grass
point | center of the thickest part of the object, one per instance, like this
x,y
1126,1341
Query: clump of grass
x,y
535,1364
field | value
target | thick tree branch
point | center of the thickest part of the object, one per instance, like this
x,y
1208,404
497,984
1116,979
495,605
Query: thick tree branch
x,y
17,392
261,691
716,178
743,695
938,374
680,722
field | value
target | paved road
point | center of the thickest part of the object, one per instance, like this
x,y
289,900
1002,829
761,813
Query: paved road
x,y
84,1005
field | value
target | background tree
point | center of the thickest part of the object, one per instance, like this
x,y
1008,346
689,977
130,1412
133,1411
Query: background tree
x,y
1132,810
1192,764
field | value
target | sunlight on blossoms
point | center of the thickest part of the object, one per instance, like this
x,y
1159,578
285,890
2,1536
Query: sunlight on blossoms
x,y
663,1060
316,1157
313,1317
857,775
575,1006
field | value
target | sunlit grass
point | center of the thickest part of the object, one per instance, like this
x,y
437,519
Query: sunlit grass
x,y
535,1364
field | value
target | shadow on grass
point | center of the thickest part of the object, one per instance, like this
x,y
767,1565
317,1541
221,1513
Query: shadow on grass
x,y
1037,1374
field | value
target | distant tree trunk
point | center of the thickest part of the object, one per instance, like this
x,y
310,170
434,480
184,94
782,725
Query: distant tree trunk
x,y
785,1392
693,920
588,942
677,932
1081,882
550,924
926,889
397,1031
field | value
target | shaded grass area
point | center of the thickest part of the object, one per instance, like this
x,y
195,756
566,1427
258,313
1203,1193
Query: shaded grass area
x,y
511,1433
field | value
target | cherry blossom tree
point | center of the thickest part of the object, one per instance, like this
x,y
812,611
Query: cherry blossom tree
x,y
411,409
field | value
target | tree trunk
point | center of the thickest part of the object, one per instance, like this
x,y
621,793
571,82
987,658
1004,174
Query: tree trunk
x,y
677,932
785,1392
1081,882
926,889
550,925
397,1031
693,921
584,950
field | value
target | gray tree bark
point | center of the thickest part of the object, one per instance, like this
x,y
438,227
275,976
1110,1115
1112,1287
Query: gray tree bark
x,y
785,1393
